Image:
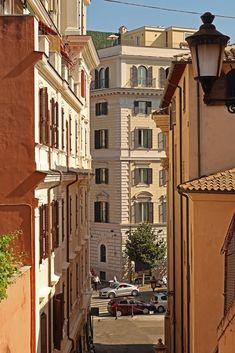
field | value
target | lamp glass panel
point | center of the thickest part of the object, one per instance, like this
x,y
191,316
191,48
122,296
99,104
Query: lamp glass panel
x,y
194,60
209,58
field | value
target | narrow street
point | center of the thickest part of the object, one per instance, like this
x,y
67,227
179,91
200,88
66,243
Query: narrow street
x,y
126,334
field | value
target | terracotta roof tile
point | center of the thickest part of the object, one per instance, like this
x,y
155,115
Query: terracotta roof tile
x,y
219,182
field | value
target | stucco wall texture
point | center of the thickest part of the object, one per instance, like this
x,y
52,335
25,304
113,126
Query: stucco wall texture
x,y
15,317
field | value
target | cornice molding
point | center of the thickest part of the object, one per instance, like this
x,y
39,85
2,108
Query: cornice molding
x,y
125,91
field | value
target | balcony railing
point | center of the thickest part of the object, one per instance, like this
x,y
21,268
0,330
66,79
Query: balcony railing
x,y
148,83
99,84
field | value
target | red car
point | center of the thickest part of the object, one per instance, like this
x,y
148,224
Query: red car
x,y
124,306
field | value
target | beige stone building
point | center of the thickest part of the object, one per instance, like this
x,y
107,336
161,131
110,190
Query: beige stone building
x,y
129,186
200,193
46,167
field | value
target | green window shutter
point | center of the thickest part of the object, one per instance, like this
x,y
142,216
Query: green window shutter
x,y
136,138
106,138
105,108
96,79
150,212
137,212
97,211
43,333
150,138
97,176
150,175
97,109
137,176
97,138
134,76
106,212
107,77
150,76
58,308
136,107
148,107
106,176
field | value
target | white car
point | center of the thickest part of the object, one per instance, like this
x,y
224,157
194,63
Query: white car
x,y
117,289
160,301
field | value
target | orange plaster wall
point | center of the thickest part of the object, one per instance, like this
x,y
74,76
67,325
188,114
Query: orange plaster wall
x,y
209,225
15,317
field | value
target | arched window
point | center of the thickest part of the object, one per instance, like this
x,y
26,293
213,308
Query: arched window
x,y
102,78
142,76
102,253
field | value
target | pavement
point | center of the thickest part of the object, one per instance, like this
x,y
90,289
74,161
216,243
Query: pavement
x,y
126,334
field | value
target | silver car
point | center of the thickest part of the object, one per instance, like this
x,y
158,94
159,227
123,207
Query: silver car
x,y
160,301
117,289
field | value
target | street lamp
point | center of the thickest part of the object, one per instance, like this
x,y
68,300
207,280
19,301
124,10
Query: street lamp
x,y
207,50
160,347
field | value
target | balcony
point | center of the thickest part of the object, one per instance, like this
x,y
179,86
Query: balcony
x,y
98,85
150,83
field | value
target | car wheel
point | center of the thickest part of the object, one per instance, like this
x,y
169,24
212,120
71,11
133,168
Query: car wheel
x,y
118,313
111,295
134,293
160,309
145,311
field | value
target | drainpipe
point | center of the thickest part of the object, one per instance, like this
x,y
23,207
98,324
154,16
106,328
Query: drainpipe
x,y
198,130
188,270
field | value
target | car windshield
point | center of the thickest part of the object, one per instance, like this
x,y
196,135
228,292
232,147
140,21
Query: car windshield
x,y
114,285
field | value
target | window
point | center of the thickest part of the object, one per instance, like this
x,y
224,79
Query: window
x,y
162,177
101,139
161,140
76,137
44,124
143,176
102,276
101,212
43,333
143,212
54,126
163,73
142,107
162,210
43,232
62,129
58,319
143,138
101,175
102,253
141,76
101,108
102,78
11,7
55,224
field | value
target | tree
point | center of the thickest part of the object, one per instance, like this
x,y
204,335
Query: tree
x,y
144,247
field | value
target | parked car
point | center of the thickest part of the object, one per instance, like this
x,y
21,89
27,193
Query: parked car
x,y
160,302
125,306
117,289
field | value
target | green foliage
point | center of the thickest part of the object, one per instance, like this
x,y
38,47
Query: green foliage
x,y
8,262
100,39
143,246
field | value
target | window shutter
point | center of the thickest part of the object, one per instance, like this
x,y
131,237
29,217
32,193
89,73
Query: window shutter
x,y
53,221
106,176
62,219
150,175
57,125
136,138
136,107
97,211
150,76
52,123
148,107
96,79
83,83
137,175
97,176
150,212
97,138
105,108
107,77
42,113
70,133
70,214
150,138
46,231
62,129
41,222
106,138
137,213
162,77
58,319
97,109
43,329
106,212
134,76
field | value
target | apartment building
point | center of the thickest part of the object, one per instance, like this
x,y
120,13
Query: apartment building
x,y
200,194
127,150
46,167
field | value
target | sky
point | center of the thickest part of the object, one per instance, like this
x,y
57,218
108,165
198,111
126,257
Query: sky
x,y
108,16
